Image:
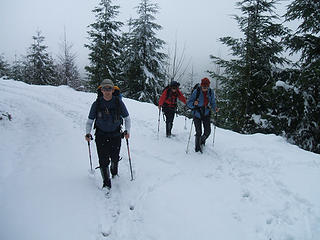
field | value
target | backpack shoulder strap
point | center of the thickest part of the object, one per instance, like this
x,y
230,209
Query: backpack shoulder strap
x,y
198,92
97,110
117,110
168,91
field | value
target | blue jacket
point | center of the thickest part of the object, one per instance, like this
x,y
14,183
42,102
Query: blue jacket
x,y
199,110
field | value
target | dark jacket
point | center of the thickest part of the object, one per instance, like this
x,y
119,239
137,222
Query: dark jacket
x,y
107,115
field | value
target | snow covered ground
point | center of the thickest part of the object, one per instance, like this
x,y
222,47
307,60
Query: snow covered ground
x,y
250,187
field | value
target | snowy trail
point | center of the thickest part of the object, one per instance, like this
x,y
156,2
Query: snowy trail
x,y
43,184
253,185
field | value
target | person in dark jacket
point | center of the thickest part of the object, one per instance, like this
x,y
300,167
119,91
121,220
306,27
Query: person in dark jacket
x,y
168,103
108,111
202,101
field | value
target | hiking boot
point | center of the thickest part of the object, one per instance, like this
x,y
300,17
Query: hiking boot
x,y
114,168
168,129
203,140
106,177
107,183
198,144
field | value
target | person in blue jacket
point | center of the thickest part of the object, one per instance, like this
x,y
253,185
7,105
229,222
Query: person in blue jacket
x,y
202,101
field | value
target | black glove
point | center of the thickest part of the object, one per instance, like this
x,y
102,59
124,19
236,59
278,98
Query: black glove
x,y
124,133
88,135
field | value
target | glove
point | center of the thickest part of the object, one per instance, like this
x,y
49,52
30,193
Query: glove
x,y
125,134
88,137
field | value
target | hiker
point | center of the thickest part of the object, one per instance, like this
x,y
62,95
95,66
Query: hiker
x,y
202,101
168,103
108,111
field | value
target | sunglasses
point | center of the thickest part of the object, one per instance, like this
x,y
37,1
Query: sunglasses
x,y
107,89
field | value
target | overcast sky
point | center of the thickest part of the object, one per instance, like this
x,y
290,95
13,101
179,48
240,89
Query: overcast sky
x,y
197,25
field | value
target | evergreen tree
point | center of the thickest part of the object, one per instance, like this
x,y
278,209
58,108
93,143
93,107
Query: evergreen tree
x,y
16,70
105,44
248,80
286,102
306,40
126,59
67,70
4,67
144,72
39,65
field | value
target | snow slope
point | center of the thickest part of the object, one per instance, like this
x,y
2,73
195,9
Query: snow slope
x,y
247,187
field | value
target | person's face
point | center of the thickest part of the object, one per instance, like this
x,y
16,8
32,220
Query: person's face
x,y
204,88
174,89
107,91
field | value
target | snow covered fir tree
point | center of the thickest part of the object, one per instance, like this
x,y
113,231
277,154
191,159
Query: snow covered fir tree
x,y
39,67
305,41
104,46
17,69
67,70
4,67
247,80
144,70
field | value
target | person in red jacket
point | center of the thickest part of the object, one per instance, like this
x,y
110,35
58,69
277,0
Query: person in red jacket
x,y
168,103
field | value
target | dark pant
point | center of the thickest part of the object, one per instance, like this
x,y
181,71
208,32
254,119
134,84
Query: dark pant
x,y
169,113
108,149
201,138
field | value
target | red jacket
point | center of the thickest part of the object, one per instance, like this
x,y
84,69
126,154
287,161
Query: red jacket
x,y
169,98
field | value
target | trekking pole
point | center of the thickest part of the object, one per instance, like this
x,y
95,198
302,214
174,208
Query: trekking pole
x,y
129,159
185,117
214,129
185,122
189,137
159,121
90,154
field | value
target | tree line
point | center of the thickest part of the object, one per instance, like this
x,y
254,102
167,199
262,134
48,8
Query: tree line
x,y
39,67
260,90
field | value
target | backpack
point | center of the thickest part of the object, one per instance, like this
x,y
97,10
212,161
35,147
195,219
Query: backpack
x,y
196,87
168,92
117,96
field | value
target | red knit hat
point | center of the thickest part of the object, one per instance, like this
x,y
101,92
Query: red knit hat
x,y
205,82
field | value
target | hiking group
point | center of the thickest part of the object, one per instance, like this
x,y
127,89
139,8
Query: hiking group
x,y
108,112
201,102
